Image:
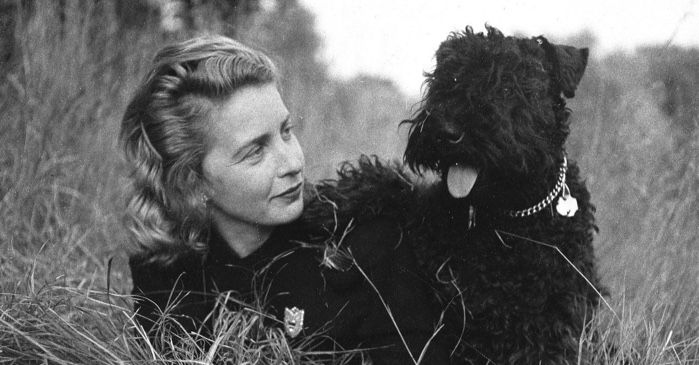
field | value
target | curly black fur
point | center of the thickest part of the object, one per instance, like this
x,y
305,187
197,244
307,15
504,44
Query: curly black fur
x,y
496,103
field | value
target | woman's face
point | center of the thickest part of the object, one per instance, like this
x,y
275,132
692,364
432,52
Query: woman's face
x,y
253,166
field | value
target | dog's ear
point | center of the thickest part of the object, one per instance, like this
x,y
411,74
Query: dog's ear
x,y
568,65
572,62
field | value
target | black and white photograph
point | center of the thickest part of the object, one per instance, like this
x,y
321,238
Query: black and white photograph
x,y
344,182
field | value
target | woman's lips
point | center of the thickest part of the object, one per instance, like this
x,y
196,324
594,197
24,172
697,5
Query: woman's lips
x,y
291,193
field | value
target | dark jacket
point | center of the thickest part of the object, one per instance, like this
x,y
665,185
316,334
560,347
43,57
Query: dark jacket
x,y
343,303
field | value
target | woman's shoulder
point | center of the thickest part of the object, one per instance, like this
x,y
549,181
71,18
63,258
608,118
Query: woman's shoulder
x,y
174,286
162,259
150,270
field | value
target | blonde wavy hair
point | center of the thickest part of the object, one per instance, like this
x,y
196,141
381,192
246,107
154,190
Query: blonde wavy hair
x,y
163,135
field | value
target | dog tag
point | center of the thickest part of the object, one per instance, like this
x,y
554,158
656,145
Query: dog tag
x,y
566,204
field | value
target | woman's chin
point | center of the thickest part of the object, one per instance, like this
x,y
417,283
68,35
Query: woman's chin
x,y
290,212
297,209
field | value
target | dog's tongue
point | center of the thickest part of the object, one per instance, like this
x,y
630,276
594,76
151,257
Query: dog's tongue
x,y
460,180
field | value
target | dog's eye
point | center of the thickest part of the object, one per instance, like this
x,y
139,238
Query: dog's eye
x,y
455,140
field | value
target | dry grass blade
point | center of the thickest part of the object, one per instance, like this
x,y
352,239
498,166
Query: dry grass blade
x,y
498,232
389,312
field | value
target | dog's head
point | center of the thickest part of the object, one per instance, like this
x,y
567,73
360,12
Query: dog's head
x,y
494,107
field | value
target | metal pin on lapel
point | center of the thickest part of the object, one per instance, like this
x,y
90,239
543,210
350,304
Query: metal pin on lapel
x,y
293,321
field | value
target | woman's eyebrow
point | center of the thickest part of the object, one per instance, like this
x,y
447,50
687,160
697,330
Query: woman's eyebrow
x,y
286,120
259,140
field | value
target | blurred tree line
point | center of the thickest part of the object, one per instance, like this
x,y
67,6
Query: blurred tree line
x,y
329,111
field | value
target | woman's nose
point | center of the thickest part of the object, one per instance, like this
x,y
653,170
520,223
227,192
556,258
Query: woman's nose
x,y
291,159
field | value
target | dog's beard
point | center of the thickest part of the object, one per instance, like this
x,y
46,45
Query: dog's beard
x,y
460,180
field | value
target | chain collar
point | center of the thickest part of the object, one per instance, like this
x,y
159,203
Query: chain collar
x,y
547,200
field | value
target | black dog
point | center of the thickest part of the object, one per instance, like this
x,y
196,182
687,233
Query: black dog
x,y
500,237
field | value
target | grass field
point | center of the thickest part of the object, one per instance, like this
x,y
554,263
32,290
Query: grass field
x,y
63,273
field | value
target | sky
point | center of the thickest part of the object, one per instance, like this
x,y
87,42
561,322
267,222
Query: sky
x,y
396,39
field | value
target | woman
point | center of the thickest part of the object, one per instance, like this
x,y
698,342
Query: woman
x,y
216,206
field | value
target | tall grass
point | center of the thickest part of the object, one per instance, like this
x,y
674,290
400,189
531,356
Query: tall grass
x,y
62,325
645,187
62,248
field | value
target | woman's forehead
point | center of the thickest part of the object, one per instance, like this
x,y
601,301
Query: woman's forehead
x,y
249,113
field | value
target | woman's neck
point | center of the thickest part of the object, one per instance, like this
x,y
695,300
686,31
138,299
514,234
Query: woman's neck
x,y
242,237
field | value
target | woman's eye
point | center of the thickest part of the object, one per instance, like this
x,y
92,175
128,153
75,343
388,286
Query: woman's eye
x,y
287,131
254,153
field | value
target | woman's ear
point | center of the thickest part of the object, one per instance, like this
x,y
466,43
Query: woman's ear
x,y
204,190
